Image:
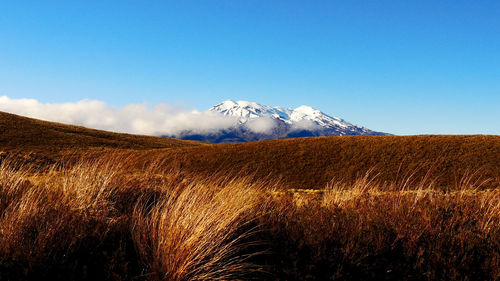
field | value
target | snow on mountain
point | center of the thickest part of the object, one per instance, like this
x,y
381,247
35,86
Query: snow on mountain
x,y
245,110
260,122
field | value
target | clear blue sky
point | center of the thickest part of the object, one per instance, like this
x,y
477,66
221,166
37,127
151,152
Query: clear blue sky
x,y
404,67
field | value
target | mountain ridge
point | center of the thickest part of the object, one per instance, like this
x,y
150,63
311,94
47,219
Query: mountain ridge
x,y
255,122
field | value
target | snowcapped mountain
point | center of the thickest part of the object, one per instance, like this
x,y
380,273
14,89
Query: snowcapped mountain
x,y
255,121
245,110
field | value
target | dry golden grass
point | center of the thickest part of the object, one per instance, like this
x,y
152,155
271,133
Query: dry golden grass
x,y
80,204
392,231
182,229
41,143
305,163
46,216
469,196
193,232
98,219
311,163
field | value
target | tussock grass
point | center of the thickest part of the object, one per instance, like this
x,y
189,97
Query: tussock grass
x,y
49,139
368,230
193,232
12,182
99,218
73,223
94,205
54,216
309,163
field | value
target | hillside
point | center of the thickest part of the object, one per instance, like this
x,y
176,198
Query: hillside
x,y
298,163
313,162
48,139
110,216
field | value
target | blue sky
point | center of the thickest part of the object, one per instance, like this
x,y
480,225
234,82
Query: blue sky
x,y
404,67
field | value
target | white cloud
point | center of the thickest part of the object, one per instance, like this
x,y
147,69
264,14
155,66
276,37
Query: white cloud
x,y
161,119
261,125
305,124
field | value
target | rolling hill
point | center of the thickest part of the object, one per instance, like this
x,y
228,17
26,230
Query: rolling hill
x,y
112,217
22,135
298,163
313,162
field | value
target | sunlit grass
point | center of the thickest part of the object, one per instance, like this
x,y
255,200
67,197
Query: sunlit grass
x,y
100,218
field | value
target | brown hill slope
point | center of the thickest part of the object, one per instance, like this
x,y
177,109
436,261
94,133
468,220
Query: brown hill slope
x,y
313,162
299,163
48,139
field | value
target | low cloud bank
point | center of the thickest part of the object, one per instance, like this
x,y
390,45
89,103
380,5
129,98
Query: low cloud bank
x,y
157,120
305,125
262,125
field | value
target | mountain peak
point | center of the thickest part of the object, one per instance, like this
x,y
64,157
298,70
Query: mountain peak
x,y
307,109
259,122
226,104
231,104
244,110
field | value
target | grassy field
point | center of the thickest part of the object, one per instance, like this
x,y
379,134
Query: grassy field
x,y
349,208
47,142
306,163
96,221
311,163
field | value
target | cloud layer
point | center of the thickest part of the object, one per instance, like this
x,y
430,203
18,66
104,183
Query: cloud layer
x,y
262,125
158,120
